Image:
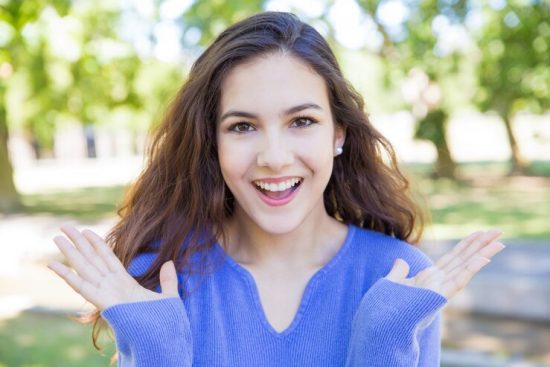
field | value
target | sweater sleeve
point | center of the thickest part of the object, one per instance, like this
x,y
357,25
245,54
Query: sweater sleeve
x,y
396,326
151,333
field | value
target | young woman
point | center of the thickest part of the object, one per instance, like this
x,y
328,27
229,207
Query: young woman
x,y
271,225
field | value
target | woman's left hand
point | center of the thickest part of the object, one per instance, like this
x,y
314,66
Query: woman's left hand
x,y
452,271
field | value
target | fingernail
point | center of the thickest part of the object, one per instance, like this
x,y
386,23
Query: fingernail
x,y
500,244
485,263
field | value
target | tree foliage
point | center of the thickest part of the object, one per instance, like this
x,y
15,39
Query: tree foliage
x,y
14,16
513,72
413,46
210,18
65,61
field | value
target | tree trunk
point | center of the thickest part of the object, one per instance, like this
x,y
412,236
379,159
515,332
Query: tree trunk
x,y
433,127
9,198
445,166
519,165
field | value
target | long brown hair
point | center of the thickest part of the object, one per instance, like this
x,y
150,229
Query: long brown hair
x,y
180,196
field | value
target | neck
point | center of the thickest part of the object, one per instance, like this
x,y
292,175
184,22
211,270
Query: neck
x,y
309,245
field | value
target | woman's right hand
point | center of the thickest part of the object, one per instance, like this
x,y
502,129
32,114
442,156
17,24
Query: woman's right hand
x,y
100,276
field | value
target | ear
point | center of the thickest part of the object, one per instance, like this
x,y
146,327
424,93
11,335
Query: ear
x,y
339,135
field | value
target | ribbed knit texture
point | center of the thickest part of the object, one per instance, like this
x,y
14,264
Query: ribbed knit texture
x,y
141,325
349,316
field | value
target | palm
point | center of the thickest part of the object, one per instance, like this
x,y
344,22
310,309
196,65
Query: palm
x,y
100,276
453,271
114,287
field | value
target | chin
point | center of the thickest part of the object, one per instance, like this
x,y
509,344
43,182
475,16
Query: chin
x,y
278,226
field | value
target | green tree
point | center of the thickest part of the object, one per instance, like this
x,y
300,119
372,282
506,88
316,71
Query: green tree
x,y
513,70
412,46
212,17
69,63
14,16
9,199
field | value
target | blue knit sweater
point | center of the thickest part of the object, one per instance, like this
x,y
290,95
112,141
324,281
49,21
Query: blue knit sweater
x,y
349,316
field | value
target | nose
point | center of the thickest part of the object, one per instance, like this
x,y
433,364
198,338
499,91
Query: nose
x,y
274,153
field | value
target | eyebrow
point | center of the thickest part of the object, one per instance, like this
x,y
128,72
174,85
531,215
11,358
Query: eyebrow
x,y
290,111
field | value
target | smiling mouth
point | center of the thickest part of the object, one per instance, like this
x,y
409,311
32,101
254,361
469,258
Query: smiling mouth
x,y
278,191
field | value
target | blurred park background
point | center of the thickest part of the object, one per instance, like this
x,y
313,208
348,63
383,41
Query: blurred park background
x,y
460,87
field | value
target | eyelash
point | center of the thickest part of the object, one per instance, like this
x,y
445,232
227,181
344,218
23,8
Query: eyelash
x,y
312,120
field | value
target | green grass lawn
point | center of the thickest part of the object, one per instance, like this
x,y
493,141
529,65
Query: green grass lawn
x,y
485,197
42,340
86,204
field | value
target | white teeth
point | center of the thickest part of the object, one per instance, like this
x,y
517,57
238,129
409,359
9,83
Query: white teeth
x,y
281,186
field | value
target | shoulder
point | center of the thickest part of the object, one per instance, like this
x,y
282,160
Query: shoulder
x,y
378,251
143,260
141,263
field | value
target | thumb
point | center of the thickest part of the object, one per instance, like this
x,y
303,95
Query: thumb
x,y
169,279
399,271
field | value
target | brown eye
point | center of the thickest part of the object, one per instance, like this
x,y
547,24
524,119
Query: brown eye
x,y
241,127
303,121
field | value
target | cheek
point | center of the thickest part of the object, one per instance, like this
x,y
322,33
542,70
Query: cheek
x,y
234,159
316,153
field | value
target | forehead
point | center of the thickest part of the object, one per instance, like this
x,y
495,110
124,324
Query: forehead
x,y
272,82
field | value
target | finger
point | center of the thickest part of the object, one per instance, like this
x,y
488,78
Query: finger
x,y
106,253
482,258
473,248
461,277
84,246
448,257
487,252
78,262
78,284
492,249
169,279
399,271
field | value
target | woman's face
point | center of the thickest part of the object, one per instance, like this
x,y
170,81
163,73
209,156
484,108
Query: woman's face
x,y
276,142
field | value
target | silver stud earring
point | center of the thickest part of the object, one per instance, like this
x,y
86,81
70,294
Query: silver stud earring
x,y
339,150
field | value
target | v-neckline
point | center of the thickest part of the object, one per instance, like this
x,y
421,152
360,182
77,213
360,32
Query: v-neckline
x,y
306,295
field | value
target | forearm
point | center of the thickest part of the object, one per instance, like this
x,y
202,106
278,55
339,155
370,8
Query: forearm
x,y
396,326
151,333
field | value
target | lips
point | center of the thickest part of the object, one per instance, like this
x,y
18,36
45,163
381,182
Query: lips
x,y
278,198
